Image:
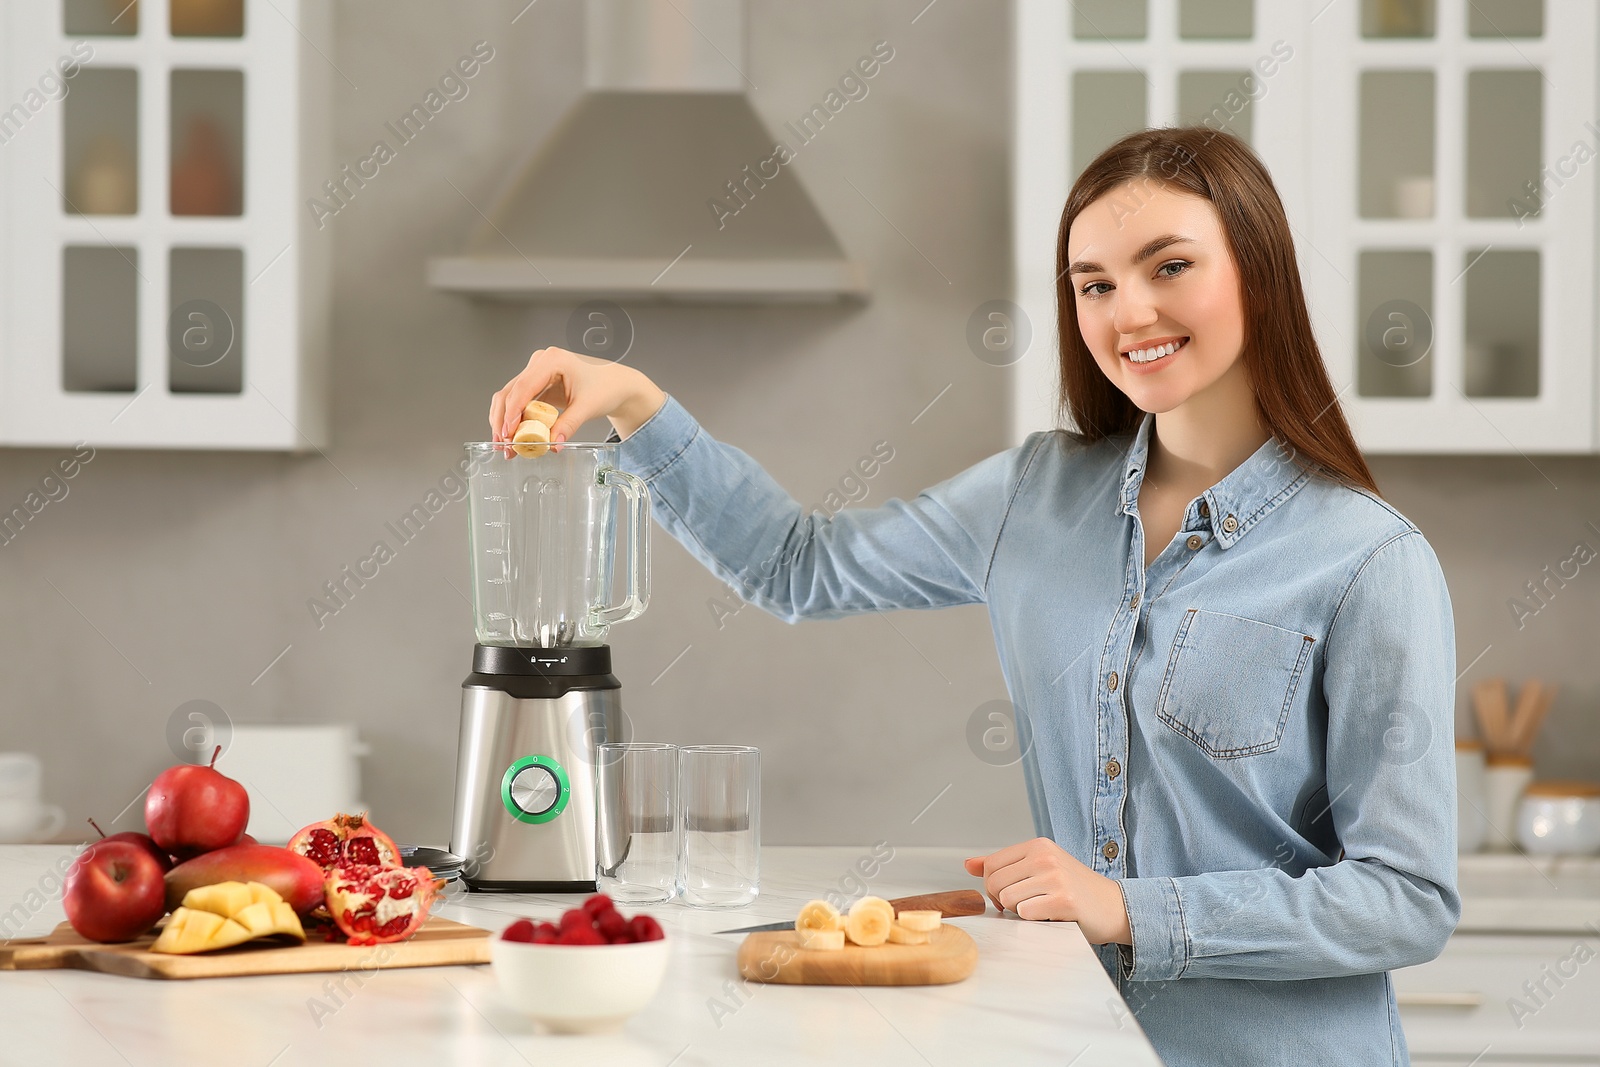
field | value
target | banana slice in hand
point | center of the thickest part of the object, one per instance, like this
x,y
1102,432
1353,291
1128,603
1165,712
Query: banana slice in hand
x,y
869,921
539,411
531,439
925,921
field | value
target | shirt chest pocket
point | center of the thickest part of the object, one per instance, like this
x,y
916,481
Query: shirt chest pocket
x,y
1231,681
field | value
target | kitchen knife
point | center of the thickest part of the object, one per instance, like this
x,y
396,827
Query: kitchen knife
x,y
952,904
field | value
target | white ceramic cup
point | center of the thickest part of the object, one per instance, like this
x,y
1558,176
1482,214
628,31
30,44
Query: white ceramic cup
x,y
1472,824
25,821
19,776
1505,778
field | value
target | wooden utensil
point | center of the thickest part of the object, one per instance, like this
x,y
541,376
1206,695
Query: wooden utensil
x,y
1530,715
1493,694
776,956
439,942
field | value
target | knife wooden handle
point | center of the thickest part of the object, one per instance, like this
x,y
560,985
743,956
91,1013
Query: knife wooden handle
x,y
955,903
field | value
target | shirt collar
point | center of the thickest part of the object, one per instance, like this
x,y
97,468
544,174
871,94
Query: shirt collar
x,y
1234,505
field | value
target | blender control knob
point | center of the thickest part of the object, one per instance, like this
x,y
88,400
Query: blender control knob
x,y
535,790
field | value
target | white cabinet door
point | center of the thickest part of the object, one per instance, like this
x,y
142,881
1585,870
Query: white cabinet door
x,y
1505,998
1439,178
1453,194
166,288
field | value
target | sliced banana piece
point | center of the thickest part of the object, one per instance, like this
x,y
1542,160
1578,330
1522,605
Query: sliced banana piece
x,y
818,915
926,921
869,921
901,935
531,439
539,411
810,937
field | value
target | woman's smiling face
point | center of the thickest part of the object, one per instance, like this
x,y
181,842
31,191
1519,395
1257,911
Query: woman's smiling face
x,y
1151,265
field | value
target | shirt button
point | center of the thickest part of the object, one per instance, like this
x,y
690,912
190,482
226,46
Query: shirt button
x,y
1230,524
1205,509
1135,604
1113,768
1195,541
1111,683
1110,851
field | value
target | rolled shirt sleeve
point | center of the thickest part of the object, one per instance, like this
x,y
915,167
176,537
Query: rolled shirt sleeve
x,y
934,550
1392,901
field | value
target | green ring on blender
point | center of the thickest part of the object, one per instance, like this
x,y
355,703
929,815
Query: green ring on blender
x,y
549,764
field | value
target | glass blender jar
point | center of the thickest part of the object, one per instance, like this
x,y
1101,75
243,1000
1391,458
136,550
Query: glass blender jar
x,y
546,533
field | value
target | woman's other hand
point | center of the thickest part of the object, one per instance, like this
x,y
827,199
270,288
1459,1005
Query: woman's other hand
x,y
584,387
1039,879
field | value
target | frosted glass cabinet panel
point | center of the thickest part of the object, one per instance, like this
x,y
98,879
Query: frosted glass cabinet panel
x,y
1106,105
100,151
1397,165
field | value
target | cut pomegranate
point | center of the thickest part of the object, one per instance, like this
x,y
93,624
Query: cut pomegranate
x,y
374,905
346,841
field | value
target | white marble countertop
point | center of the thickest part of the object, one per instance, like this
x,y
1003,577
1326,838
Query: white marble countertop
x,y
1515,892
1039,994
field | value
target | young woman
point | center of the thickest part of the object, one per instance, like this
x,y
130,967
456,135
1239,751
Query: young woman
x,y
1235,661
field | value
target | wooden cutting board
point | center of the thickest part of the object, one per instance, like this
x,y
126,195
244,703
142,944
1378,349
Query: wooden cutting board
x,y
776,956
438,942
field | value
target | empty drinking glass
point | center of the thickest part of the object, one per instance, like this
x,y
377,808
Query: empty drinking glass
x,y
637,830
719,790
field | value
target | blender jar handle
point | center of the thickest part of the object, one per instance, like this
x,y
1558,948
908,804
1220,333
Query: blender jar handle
x,y
638,496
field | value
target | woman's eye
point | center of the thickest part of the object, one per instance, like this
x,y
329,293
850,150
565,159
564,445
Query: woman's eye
x,y
1182,265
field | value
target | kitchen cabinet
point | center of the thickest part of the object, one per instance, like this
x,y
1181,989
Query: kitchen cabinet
x,y
1518,981
1436,163
166,283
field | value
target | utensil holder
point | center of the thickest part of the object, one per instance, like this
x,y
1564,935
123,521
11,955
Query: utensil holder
x,y
1505,777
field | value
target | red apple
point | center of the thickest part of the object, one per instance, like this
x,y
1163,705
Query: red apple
x,y
142,840
114,891
190,810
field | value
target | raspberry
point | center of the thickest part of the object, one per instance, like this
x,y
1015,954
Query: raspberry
x,y
582,935
520,930
575,918
550,930
597,905
611,924
644,928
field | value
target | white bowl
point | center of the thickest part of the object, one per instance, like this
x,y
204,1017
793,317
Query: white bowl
x,y
1560,818
578,989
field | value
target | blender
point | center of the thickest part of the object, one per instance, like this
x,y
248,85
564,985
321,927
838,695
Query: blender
x,y
544,533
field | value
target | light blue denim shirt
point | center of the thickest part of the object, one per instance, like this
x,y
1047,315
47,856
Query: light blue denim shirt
x,y
1254,736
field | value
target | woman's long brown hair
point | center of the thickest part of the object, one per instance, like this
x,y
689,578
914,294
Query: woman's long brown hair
x,y
1291,384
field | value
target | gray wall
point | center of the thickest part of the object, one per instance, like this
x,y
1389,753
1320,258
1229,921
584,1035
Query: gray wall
x,y
166,577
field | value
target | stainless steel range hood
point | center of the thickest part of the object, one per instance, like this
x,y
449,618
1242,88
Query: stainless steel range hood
x,y
661,183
